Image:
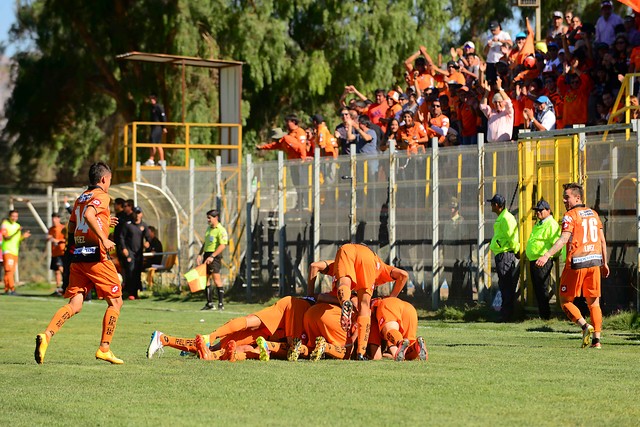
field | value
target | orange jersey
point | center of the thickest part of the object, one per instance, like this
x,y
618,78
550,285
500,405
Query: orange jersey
x,y
285,314
57,233
424,81
326,142
574,110
323,320
441,121
469,119
584,248
395,310
362,266
377,112
87,243
408,137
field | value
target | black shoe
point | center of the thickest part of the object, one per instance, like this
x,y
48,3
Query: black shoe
x,y
208,306
361,357
221,307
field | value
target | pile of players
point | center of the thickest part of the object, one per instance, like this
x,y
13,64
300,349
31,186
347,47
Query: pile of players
x,y
344,324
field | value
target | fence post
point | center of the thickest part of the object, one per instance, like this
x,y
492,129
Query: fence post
x,y
316,203
353,229
281,229
482,250
219,186
249,224
393,165
49,223
191,234
636,128
436,270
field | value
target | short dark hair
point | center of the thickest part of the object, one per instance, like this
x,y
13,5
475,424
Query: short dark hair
x,y
153,229
575,188
119,201
213,213
382,91
130,203
97,171
55,215
153,96
364,119
291,118
12,211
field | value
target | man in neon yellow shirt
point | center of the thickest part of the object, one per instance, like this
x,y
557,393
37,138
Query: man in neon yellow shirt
x,y
505,244
12,235
543,235
215,241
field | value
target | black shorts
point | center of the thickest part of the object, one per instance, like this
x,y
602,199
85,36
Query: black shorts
x,y
156,134
56,263
216,264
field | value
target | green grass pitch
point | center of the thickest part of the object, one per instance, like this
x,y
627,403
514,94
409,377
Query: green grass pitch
x,y
530,373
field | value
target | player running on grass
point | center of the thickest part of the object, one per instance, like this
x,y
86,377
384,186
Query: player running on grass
x,y
90,266
358,268
286,314
586,261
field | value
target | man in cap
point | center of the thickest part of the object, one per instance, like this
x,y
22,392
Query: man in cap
x,y
493,49
557,25
505,245
543,235
544,116
606,24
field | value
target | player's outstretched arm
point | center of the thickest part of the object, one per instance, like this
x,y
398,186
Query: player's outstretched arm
x,y
401,277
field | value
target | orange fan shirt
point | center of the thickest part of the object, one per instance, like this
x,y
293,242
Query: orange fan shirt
x,y
407,137
326,142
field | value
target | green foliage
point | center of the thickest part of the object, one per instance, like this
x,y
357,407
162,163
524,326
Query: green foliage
x,y
470,368
623,321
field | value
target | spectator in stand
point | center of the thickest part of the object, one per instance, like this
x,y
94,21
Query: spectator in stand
x,y
472,70
557,26
552,92
575,87
323,137
422,75
411,136
620,52
635,112
543,118
341,131
375,110
633,35
568,21
500,117
524,46
468,117
366,141
606,24
438,124
412,105
390,135
393,110
498,43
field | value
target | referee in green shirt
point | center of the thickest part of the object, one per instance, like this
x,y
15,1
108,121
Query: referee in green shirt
x,y
215,241
505,245
542,237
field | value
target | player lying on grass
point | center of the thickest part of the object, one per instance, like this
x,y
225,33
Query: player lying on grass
x,y
397,322
285,315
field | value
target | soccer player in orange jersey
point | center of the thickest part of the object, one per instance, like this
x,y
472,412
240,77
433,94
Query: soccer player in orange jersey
x,y
91,266
286,315
586,261
398,324
358,268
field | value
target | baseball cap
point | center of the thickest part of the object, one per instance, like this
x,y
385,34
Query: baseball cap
x,y
469,44
453,203
542,205
542,100
498,199
606,3
552,44
276,133
317,118
403,96
393,95
521,35
557,14
137,209
493,25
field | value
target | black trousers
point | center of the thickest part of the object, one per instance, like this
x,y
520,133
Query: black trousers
x,y
508,270
132,275
540,278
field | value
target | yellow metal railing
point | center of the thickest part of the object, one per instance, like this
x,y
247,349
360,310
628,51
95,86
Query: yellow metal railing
x,y
626,91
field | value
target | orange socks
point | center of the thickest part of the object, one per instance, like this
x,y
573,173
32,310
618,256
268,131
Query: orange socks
x,y
572,312
186,344
233,325
337,352
596,317
364,327
62,315
109,323
394,337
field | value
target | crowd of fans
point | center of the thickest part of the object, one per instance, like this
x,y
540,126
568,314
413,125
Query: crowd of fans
x,y
497,89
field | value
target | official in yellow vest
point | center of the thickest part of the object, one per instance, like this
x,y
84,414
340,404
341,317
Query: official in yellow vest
x,y
12,236
543,235
215,241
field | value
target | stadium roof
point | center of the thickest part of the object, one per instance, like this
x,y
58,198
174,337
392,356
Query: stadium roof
x,y
162,58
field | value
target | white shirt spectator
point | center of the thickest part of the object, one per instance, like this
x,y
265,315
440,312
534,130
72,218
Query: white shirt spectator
x,y
495,47
605,32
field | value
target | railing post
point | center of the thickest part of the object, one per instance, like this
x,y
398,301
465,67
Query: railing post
x,y
249,226
482,250
219,185
192,196
316,203
436,270
636,126
134,154
281,226
353,228
393,166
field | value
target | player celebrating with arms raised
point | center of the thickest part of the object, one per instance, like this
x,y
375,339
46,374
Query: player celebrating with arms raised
x,y
586,257
90,265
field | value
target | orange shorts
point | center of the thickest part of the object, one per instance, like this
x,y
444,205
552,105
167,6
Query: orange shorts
x,y
396,310
102,276
10,262
287,313
585,282
358,263
323,320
